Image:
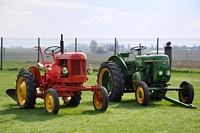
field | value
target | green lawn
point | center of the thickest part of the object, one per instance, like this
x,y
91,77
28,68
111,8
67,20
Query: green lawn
x,y
126,116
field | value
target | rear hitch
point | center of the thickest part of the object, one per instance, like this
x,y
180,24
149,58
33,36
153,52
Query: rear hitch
x,y
175,101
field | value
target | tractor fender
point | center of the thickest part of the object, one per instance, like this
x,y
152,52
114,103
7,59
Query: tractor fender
x,y
36,73
120,62
137,77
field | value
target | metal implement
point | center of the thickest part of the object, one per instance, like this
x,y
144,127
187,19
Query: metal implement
x,y
12,94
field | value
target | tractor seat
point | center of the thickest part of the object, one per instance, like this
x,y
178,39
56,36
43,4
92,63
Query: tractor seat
x,y
46,64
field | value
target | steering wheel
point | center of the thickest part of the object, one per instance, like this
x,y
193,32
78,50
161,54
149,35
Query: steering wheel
x,y
138,48
51,49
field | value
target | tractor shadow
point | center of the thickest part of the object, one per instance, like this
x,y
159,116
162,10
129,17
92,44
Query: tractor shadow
x,y
38,113
13,112
131,104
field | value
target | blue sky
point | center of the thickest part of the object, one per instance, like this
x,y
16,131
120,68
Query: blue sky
x,y
100,19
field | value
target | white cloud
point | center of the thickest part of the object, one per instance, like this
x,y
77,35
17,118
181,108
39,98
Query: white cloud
x,y
44,3
48,18
97,20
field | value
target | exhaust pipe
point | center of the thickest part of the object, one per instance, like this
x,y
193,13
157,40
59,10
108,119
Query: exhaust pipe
x,y
61,44
168,51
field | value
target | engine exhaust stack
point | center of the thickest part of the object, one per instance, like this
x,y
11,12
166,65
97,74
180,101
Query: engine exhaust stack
x,y
168,51
61,44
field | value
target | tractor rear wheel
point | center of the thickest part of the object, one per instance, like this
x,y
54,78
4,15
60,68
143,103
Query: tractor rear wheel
x,y
26,89
51,101
142,94
100,99
110,76
186,95
73,101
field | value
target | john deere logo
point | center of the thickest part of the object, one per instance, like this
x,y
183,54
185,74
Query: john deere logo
x,y
164,61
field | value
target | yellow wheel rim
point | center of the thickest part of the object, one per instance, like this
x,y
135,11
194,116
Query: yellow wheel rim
x,y
98,99
49,102
106,81
183,95
21,90
102,73
140,95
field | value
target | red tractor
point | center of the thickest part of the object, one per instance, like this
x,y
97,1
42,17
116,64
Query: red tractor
x,y
64,77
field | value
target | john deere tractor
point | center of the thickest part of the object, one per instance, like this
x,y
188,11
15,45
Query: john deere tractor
x,y
145,75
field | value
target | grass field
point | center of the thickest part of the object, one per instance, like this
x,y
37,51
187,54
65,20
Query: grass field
x,y
125,116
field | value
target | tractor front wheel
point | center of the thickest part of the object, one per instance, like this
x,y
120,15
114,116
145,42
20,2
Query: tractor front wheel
x,y
110,76
187,94
51,101
142,94
74,100
100,99
26,89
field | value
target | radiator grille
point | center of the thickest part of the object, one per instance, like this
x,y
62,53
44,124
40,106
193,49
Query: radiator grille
x,y
78,67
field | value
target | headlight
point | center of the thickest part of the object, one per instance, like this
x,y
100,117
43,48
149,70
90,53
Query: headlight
x,y
89,70
64,70
160,73
168,72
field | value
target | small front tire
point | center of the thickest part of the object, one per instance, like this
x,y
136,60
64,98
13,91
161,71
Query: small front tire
x,y
100,99
142,94
51,101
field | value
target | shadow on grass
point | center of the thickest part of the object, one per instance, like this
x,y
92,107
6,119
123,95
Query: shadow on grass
x,y
130,104
26,115
12,111
39,113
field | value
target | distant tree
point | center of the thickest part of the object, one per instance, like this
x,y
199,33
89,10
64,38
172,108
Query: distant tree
x,y
122,47
129,46
194,45
152,46
117,46
93,46
176,48
184,48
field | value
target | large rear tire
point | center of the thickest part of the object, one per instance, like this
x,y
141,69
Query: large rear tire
x,y
100,99
73,101
26,89
142,94
186,95
110,76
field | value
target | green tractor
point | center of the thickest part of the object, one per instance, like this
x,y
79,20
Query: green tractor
x,y
146,75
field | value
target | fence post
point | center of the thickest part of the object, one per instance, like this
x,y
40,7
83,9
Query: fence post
x,y
38,60
115,51
4,54
75,44
1,67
